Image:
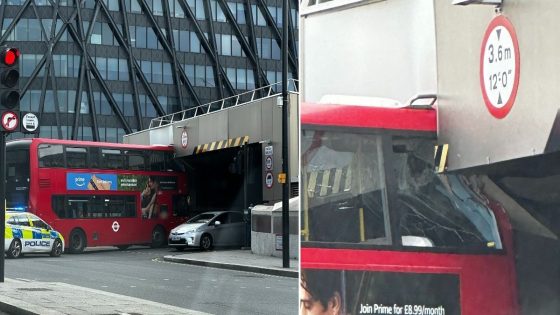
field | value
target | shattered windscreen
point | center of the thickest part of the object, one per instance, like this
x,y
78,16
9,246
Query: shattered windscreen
x,y
380,190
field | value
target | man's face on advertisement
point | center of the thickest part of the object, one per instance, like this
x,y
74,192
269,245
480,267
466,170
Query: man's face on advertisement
x,y
310,306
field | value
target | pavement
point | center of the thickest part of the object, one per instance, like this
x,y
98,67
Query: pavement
x,y
19,296
241,260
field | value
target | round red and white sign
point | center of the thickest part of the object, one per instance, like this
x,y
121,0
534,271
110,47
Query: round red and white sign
x,y
269,180
115,226
184,139
10,121
499,66
268,162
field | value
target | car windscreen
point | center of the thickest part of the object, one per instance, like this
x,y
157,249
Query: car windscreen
x,y
202,218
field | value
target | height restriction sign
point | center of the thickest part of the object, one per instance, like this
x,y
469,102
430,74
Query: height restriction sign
x,y
499,66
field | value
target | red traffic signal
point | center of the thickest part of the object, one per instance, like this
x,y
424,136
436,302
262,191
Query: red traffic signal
x,y
9,78
9,56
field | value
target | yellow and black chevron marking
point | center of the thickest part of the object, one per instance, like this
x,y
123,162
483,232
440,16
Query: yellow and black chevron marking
x,y
441,157
222,144
329,181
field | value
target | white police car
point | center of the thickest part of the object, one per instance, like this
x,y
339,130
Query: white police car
x,y
27,233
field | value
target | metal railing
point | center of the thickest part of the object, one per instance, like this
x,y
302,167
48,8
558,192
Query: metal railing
x,y
232,101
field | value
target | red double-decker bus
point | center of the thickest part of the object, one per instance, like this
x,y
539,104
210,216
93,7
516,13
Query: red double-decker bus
x,y
98,194
395,237
383,233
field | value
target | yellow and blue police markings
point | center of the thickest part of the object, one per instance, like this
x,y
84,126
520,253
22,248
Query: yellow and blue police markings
x,y
30,239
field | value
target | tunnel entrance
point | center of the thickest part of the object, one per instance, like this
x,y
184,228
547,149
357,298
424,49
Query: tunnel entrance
x,y
225,179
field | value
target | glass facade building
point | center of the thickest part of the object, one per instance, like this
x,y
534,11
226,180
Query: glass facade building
x,y
99,69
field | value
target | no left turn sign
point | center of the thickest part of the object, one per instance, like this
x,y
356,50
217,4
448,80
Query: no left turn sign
x,y
10,121
499,66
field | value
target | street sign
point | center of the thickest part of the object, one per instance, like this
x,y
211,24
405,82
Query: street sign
x,y
184,139
282,178
30,122
499,66
10,121
268,163
269,180
268,150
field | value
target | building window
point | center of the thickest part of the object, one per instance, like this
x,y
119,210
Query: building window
x,y
195,43
112,69
242,79
199,10
226,45
147,69
123,70
210,80
157,9
200,79
167,73
157,72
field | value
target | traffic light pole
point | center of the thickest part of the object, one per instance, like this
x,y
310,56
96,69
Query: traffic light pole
x,y
9,108
285,139
3,200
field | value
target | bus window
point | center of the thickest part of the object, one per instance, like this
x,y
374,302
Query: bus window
x,y
98,206
50,155
136,160
70,207
112,159
94,158
345,188
439,211
157,161
76,157
173,165
119,206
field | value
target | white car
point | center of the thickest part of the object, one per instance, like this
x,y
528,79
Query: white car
x,y
219,228
27,233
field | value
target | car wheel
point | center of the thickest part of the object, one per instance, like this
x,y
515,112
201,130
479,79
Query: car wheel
x,y
158,237
206,242
14,251
56,250
77,241
123,247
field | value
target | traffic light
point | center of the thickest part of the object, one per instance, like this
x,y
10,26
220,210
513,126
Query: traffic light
x,y
9,78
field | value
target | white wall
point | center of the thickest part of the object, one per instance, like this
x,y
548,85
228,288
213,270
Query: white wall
x,y
384,49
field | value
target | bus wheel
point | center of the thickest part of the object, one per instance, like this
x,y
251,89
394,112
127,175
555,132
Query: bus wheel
x,y
14,251
158,237
206,242
123,247
56,250
77,241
